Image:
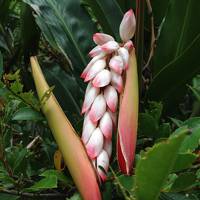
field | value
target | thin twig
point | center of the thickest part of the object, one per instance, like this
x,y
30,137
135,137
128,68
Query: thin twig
x,y
121,186
28,194
153,38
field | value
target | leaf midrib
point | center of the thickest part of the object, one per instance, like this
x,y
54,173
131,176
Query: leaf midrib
x,y
183,29
68,31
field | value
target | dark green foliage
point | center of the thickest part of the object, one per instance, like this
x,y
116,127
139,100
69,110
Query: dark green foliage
x,y
60,32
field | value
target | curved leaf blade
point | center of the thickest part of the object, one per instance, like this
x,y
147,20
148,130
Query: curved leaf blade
x,y
155,165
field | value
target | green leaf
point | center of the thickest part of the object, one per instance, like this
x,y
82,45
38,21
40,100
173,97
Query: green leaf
x,y
155,165
27,114
67,28
183,182
66,89
147,125
178,196
1,65
159,10
196,92
8,196
108,15
60,176
48,182
155,110
164,130
176,50
76,196
184,161
191,141
127,182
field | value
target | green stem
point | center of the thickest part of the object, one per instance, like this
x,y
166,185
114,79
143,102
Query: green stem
x,y
139,38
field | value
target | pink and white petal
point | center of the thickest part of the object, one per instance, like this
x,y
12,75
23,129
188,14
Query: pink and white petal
x,y
128,118
127,26
106,125
88,87
95,51
110,47
111,97
90,96
123,52
95,144
88,128
107,146
116,64
85,71
129,45
98,108
116,81
102,79
102,162
98,66
102,38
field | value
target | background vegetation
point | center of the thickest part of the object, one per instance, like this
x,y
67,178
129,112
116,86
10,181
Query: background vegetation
x,y
60,32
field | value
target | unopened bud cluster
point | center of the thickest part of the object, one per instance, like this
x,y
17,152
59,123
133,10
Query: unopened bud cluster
x,y
104,76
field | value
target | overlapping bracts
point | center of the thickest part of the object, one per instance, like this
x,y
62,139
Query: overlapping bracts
x,y
104,74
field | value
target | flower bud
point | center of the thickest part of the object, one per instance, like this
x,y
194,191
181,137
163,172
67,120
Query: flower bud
x,y
85,71
102,79
102,38
110,46
102,162
105,125
116,81
116,64
88,128
95,144
98,66
89,98
98,108
129,45
123,52
111,97
95,51
127,26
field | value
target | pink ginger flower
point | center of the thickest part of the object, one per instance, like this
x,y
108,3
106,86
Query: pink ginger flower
x,y
104,73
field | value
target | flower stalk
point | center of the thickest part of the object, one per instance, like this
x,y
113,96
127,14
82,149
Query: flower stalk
x,y
111,73
69,143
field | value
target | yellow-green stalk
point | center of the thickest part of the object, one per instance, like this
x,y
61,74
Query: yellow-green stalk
x,y
70,145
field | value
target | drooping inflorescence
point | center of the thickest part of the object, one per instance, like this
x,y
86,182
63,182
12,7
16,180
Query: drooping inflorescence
x,y
104,74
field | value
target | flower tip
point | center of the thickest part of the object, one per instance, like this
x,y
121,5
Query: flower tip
x,y
130,12
127,26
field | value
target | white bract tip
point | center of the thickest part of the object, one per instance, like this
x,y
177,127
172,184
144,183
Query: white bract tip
x,y
95,144
127,26
110,47
102,164
111,97
129,45
102,38
116,64
90,96
98,66
105,125
123,52
98,108
88,128
102,79
87,68
116,81
95,51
